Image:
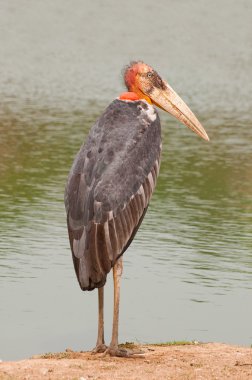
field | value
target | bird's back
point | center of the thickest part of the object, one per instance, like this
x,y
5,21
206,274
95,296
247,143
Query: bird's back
x,y
109,187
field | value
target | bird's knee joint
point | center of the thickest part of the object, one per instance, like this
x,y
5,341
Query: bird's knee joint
x,y
119,267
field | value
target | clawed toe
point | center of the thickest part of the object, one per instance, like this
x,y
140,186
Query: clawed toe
x,y
100,348
123,353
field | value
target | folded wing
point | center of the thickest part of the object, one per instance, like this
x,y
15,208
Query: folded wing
x,y
109,187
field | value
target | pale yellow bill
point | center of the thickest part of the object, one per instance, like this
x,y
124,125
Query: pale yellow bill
x,y
171,102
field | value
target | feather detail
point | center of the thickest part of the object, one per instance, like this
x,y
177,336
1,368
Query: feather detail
x,y
109,188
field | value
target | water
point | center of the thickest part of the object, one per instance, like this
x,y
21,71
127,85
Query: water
x,y
188,273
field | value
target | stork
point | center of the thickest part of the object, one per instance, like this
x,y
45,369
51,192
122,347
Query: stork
x,y
112,180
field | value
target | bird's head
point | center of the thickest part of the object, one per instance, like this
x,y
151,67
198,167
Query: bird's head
x,y
145,83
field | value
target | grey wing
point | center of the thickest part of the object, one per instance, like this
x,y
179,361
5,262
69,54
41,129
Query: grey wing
x,y
108,192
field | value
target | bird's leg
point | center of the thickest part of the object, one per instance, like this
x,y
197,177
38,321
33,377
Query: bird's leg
x,y
100,344
113,348
117,273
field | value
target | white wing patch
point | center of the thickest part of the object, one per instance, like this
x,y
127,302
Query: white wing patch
x,y
141,192
79,244
108,241
151,113
151,181
110,215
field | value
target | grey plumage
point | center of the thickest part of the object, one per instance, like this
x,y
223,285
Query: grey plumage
x,y
109,187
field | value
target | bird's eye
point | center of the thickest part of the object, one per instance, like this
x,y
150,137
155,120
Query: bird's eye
x,y
149,74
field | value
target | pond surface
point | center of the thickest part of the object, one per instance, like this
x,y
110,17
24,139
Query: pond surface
x,y
188,274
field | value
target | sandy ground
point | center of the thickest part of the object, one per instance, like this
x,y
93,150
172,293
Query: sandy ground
x,y
187,362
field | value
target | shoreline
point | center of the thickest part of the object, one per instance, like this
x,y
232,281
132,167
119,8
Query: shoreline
x,y
176,361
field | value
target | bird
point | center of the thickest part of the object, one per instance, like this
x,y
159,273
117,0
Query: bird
x,y
111,181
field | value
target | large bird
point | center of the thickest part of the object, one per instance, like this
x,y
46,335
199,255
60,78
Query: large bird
x,y
112,180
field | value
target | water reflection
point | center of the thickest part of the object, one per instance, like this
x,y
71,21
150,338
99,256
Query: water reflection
x,y
197,231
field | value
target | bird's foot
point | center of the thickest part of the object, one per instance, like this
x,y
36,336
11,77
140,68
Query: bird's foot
x,y
99,348
123,352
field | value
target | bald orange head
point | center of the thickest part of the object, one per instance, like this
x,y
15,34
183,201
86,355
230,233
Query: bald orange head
x,y
137,78
145,83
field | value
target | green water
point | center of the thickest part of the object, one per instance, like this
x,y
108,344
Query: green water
x,y
188,274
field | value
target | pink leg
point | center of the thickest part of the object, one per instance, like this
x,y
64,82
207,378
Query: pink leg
x,y
100,344
113,348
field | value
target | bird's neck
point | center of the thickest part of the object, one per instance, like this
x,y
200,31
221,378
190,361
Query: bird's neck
x,y
134,95
129,96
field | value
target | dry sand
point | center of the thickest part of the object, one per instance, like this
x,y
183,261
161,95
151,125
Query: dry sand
x,y
187,362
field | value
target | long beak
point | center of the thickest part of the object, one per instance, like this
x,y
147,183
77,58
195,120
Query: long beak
x,y
169,101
